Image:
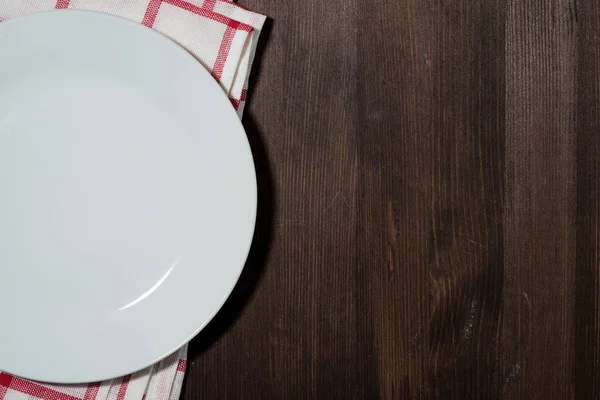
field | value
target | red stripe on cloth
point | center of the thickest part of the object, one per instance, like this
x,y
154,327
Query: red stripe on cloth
x,y
182,365
5,380
123,387
33,389
209,4
60,4
207,13
151,13
217,70
236,103
92,391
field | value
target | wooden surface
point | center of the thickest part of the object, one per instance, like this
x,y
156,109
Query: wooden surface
x,y
429,217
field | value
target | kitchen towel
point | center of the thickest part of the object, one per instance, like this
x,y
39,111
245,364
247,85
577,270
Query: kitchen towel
x,y
222,36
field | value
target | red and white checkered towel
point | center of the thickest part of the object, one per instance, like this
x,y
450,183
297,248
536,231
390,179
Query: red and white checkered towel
x,y
223,37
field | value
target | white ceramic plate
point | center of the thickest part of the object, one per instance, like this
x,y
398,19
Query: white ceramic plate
x,y
127,197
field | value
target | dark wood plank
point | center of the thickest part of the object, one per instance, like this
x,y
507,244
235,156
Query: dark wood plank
x,y
539,218
587,317
395,97
430,189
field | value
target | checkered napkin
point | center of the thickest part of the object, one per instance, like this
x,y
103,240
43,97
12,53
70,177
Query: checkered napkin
x,y
223,37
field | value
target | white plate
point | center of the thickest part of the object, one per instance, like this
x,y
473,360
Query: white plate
x,y
127,197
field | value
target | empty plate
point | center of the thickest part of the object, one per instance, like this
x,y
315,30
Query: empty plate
x,y
127,196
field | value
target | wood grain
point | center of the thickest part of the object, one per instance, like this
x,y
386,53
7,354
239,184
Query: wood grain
x,y
539,219
587,330
429,207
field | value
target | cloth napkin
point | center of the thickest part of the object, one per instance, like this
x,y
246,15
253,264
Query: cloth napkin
x,y
223,37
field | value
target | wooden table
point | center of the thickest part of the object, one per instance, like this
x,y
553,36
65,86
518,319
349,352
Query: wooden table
x,y
429,218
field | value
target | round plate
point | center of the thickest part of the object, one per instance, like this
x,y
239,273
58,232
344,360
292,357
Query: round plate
x,y
127,196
